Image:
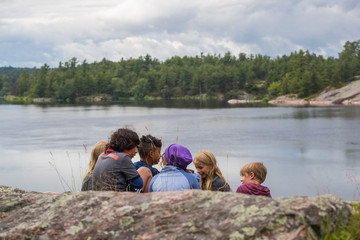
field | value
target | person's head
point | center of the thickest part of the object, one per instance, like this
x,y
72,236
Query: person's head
x,y
177,155
124,140
150,149
253,173
206,165
98,148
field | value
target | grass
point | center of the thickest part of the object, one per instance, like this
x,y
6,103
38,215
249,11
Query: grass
x,y
354,179
352,230
74,184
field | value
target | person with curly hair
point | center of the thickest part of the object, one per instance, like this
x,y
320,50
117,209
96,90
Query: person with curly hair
x,y
114,170
150,153
211,177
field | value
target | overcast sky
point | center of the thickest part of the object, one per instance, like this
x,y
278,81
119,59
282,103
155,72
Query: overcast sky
x,y
35,32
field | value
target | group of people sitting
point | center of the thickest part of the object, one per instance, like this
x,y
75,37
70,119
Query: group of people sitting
x,y
111,168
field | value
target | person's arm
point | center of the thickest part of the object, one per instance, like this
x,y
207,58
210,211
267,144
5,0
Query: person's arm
x,y
146,175
239,189
136,184
152,183
132,176
195,185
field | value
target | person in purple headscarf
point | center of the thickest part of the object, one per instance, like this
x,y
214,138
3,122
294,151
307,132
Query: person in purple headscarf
x,y
174,176
252,175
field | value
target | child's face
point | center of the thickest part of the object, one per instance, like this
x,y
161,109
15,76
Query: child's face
x,y
247,178
155,156
202,169
131,152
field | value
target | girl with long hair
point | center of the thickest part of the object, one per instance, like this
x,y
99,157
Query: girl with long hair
x,y
211,178
98,148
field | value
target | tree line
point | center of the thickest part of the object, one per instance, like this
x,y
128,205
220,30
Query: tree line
x,y
302,73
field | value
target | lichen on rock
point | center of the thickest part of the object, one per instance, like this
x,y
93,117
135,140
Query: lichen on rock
x,y
191,214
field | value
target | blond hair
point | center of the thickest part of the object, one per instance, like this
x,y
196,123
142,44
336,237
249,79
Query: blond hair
x,y
98,148
257,168
208,159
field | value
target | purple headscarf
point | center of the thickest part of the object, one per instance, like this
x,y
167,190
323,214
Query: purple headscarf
x,y
178,155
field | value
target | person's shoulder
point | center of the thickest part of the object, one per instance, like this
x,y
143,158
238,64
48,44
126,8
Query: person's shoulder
x,y
192,179
138,164
122,156
154,171
152,187
219,180
87,183
220,185
193,175
244,186
115,155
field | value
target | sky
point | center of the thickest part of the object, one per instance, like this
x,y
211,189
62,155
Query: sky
x,y
38,32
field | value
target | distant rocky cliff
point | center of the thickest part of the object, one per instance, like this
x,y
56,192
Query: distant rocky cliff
x,y
191,214
347,95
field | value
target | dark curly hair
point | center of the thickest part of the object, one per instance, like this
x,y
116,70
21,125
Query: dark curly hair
x,y
148,143
123,139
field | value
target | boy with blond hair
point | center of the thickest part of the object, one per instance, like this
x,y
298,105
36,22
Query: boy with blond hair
x,y
252,175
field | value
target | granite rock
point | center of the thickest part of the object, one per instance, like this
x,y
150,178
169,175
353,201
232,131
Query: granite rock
x,y
349,94
191,214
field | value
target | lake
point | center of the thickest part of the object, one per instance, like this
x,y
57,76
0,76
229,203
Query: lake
x,y
307,150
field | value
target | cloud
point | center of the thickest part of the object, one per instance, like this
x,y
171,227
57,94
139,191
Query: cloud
x,y
42,31
168,45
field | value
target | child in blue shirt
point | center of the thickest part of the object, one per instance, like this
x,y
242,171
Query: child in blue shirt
x,y
173,177
150,153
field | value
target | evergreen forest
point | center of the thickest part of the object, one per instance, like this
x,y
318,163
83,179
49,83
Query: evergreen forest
x,y
206,76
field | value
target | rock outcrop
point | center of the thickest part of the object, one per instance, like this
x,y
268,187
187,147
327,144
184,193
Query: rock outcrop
x,y
44,100
173,215
235,101
289,100
348,95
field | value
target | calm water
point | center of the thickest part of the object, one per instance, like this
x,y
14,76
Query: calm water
x,y
308,151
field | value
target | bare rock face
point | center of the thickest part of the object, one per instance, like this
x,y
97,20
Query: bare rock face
x,y
289,100
350,91
349,94
172,215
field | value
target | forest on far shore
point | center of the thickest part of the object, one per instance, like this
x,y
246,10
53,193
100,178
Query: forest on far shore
x,y
206,76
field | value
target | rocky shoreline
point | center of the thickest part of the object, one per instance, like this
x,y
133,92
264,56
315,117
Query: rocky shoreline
x,y
347,95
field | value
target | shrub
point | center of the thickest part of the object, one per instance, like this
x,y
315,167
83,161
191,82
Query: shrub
x,y
350,231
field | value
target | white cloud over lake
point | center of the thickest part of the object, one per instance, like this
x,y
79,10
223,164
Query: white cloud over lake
x,y
36,32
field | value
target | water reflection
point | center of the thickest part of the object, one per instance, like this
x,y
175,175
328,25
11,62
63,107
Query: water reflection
x,y
189,104
352,156
347,112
